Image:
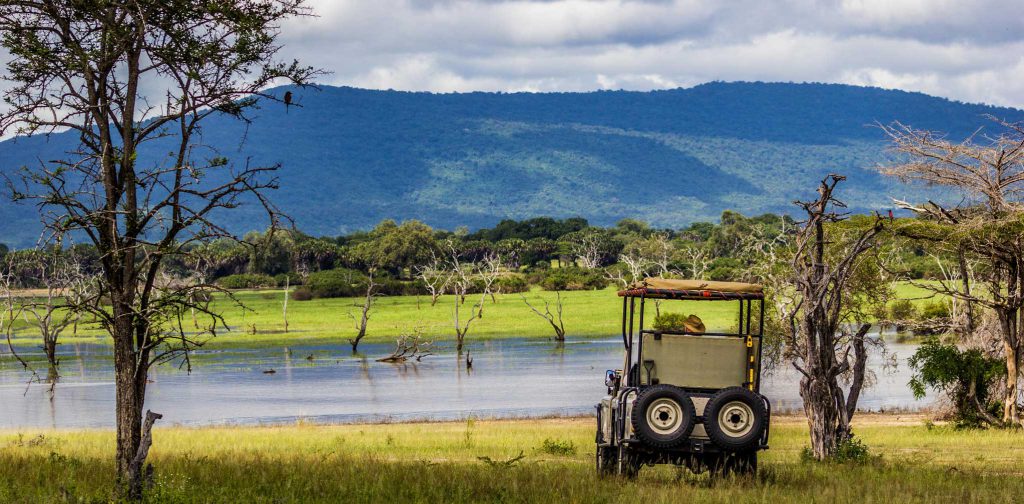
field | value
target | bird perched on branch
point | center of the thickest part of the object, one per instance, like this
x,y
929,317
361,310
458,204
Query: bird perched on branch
x,y
287,101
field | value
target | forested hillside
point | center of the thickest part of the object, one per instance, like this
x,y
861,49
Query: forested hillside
x,y
352,157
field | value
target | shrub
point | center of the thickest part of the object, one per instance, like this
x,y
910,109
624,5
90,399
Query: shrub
x,y
963,375
339,282
556,447
902,310
849,451
671,322
936,310
302,294
573,278
291,278
512,284
246,281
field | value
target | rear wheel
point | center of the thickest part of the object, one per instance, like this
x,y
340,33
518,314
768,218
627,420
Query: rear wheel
x,y
663,416
735,419
607,460
628,463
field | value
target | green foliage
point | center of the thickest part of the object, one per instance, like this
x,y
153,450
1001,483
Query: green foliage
x,y
561,448
396,247
572,278
512,284
340,282
850,450
961,374
302,294
670,322
247,281
902,309
936,310
282,279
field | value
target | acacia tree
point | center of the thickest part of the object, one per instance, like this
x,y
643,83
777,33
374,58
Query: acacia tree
x,y
987,229
119,74
825,264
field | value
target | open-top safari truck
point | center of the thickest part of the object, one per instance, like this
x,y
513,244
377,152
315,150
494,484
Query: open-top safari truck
x,y
687,397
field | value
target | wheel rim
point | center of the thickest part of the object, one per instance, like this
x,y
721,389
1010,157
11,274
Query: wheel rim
x,y
736,419
664,416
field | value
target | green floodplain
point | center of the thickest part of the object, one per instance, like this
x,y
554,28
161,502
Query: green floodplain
x,y
256,317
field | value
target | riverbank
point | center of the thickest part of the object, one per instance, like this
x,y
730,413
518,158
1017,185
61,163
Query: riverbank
x,y
471,461
258,317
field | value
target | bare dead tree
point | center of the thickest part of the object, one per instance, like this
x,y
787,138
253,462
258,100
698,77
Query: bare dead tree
x,y
585,247
119,75
435,277
824,264
364,311
635,270
985,229
488,271
64,284
409,346
461,282
555,319
699,260
9,313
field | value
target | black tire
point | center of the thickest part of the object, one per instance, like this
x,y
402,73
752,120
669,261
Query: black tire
x,y
663,416
735,419
607,460
627,463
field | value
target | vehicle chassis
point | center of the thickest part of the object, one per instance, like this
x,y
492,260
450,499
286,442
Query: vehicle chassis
x,y
696,453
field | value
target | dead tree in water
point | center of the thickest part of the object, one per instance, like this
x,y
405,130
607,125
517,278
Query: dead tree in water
x,y
364,312
555,319
409,346
823,264
462,274
65,284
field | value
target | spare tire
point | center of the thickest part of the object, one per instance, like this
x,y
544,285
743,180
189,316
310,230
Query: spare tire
x,y
663,416
735,419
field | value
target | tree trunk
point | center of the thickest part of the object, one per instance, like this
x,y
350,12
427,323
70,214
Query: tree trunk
x,y
822,413
130,393
1010,413
50,347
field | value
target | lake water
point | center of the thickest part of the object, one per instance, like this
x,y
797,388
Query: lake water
x,y
510,378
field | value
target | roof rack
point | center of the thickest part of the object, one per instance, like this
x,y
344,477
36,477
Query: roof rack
x,y
664,288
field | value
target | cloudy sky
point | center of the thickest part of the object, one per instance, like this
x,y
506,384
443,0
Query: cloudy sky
x,y
969,50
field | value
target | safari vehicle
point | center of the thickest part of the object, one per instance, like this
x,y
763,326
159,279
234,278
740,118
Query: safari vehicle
x,y
688,397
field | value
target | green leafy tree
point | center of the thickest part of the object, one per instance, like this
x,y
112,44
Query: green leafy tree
x,y
963,375
397,247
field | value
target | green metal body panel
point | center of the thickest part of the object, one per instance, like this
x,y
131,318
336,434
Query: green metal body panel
x,y
691,361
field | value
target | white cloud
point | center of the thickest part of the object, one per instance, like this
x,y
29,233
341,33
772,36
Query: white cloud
x,y
965,50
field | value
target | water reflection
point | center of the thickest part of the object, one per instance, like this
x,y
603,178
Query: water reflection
x,y
509,378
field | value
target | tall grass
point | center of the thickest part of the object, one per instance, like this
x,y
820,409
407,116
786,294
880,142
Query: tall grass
x,y
476,462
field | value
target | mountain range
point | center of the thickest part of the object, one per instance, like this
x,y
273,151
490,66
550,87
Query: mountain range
x,y
351,157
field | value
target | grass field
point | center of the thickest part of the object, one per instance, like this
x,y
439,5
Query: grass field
x,y
586,313
440,462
